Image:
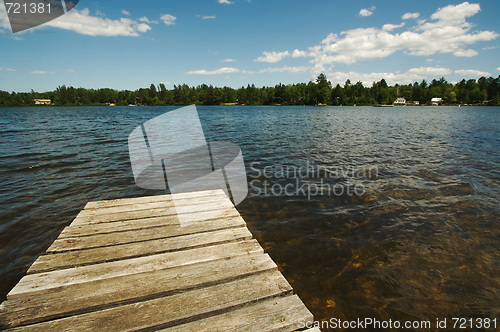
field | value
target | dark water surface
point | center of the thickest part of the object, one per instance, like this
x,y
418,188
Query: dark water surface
x,y
419,239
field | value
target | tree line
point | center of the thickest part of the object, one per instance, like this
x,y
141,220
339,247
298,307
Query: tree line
x,y
484,91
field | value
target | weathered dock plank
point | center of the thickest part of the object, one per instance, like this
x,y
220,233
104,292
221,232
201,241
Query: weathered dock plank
x,y
173,310
143,223
102,294
213,207
145,205
149,199
278,314
129,265
133,236
44,281
69,259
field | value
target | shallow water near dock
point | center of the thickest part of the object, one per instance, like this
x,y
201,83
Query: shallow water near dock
x,y
382,213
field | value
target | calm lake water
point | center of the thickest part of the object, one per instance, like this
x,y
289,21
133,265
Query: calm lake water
x,y
389,213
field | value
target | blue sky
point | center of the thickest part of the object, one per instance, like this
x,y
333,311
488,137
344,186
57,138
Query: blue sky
x,y
130,44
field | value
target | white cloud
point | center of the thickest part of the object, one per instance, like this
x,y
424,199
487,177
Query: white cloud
x,y
466,53
226,2
145,19
366,11
332,37
454,14
430,60
225,70
81,22
10,69
472,73
40,72
490,47
411,76
69,70
166,83
124,12
390,27
429,71
229,60
447,31
272,57
205,17
143,27
297,54
498,68
168,19
291,70
410,15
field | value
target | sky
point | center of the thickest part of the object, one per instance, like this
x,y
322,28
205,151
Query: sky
x,y
131,44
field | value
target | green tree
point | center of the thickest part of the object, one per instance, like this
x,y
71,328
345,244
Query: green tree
x,y
63,95
72,95
152,91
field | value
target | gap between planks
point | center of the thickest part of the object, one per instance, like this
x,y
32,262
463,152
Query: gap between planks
x,y
43,282
127,264
176,309
103,294
68,259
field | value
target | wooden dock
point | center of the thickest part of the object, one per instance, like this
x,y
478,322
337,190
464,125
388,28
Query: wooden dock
x,y
127,264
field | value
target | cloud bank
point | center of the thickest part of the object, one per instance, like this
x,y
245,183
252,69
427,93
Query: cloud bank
x,y
446,31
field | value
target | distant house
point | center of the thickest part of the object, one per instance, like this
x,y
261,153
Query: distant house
x,y
400,101
416,102
42,101
436,101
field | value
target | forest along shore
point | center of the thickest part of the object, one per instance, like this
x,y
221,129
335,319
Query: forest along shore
x,y
483,91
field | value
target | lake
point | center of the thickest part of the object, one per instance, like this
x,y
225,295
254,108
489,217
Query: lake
x,y
383,213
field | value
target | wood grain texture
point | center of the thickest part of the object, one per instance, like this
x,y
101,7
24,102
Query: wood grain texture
x,y
129,264
101,294
69,259
153,204
138,235
273,315
142,223
42,282
209,209
174,310
150,199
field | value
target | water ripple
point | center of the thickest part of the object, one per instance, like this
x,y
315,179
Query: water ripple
x,y
421,241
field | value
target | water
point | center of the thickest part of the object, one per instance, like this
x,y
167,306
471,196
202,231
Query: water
x,y
418,240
